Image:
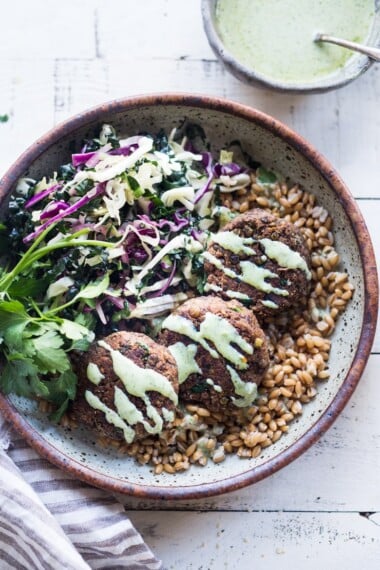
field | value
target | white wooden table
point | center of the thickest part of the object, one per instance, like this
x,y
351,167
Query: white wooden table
x,y
58,58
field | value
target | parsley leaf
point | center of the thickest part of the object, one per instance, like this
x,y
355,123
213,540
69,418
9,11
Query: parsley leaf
x,y
27,287
265,176
35,348
13,320
16,377
49,355
93,290
61,391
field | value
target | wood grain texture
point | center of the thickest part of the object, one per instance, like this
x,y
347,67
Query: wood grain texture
x,y
27,97
58,59
262,541
45,29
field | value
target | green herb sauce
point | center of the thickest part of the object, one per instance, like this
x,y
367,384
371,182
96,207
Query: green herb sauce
x,y
94,374
219,331
276,37
185,358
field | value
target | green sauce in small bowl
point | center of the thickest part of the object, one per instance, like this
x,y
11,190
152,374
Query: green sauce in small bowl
x,y
271,42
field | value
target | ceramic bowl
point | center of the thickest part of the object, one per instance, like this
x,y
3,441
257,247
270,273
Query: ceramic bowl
x,y
353,69
276,146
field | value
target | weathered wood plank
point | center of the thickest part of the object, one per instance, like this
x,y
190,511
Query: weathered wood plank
x,y
45,29
27,96
78,86
358,134
150,29
278,540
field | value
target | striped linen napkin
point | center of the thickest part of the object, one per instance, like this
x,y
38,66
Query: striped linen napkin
x,y
50,521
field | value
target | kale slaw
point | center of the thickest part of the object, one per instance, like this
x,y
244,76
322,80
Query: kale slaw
x,y
116,234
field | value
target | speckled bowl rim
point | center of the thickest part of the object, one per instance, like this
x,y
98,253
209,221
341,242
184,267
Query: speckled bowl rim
x,y
371,291
257,79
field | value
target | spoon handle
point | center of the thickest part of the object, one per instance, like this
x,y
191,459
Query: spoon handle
x,y
372,52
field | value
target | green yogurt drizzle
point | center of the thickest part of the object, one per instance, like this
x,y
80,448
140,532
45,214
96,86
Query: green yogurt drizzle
x,y
111,416
137,382
94,374
217,330
285,256
247,390
184,356
233,242
224,337
251,273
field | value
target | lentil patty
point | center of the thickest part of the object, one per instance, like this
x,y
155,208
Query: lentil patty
x,y
212,384
257,225
145,353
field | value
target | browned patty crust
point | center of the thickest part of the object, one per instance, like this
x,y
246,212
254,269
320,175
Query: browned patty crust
x,y
144,352
259,224
196,388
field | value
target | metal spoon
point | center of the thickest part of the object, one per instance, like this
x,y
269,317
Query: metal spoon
x,y
372,52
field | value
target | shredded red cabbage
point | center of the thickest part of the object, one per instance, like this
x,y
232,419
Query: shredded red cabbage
x,y
124,150
197,234
85,157
190,147
97,191
230,169
41,195
173,227
180,221
139,255
82,158
165,266
144,231
145,218
139,237
207,163
178,224
118,302
167,283
53,209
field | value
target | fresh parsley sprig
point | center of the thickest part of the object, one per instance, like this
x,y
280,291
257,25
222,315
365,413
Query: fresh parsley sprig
x,y
35,344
